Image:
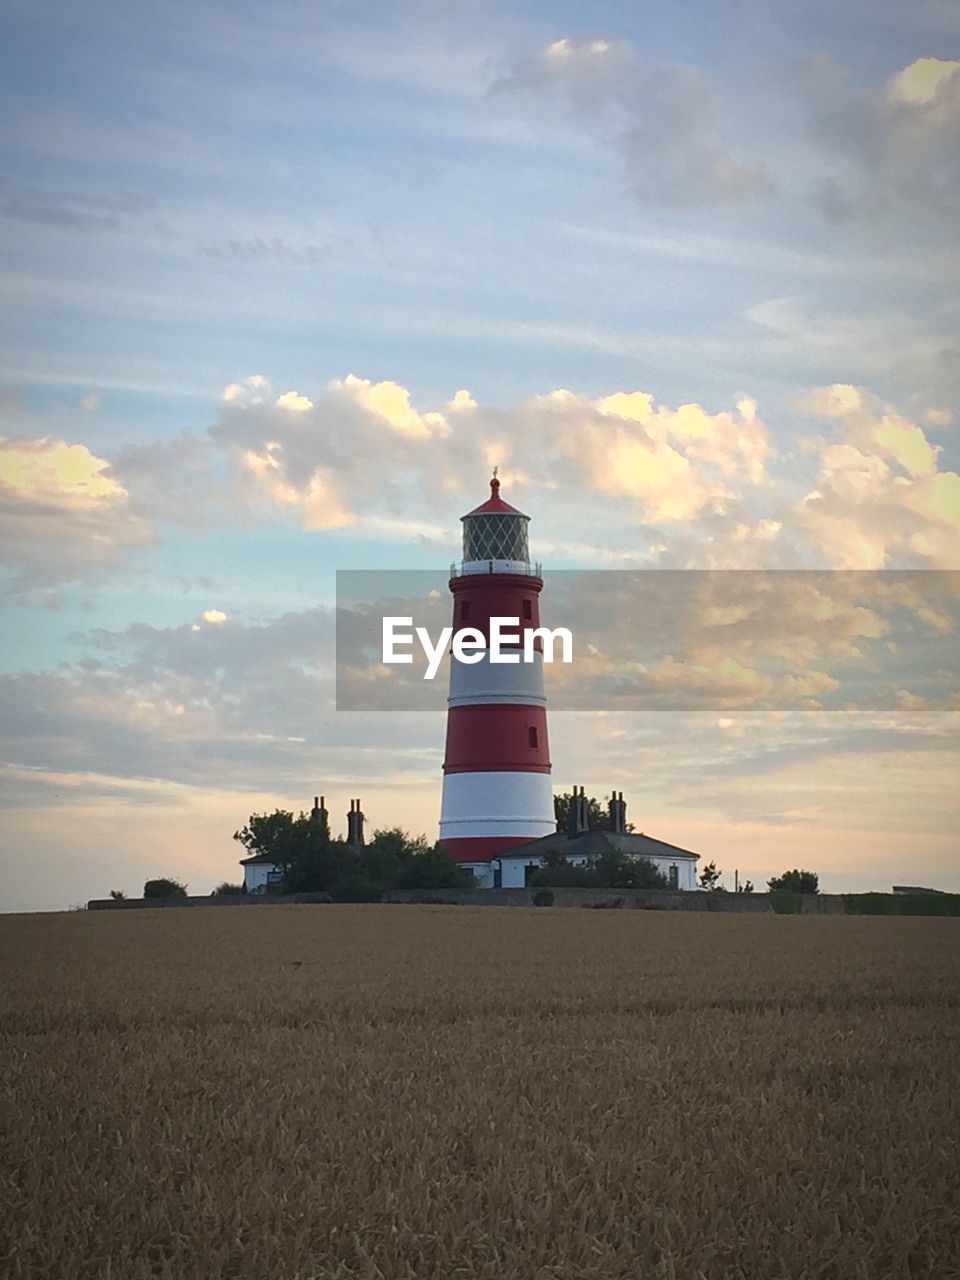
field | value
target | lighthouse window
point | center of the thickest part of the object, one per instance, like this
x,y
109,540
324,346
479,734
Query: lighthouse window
x,y
527,609
532,737
495,537
465,611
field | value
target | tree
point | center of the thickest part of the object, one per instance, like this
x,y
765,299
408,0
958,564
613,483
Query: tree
x,y
164,888
746,887
301,848
611,870
270,834
388,852
225,889
310,860
118,895
710,878
795,882
395,860
616,870
433,868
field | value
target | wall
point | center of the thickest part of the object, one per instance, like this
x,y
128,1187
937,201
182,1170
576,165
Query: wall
x,y
514,870
645,899
642,899
257,874
211,900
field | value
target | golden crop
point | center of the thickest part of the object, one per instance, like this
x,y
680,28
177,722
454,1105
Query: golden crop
x,y
444,1093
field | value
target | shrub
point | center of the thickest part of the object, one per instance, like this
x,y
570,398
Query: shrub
x,y
786,902
354,889
164,888
226,889
543,898
795,881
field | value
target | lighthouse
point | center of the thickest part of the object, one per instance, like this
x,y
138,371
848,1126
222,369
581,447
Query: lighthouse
x,y
496,772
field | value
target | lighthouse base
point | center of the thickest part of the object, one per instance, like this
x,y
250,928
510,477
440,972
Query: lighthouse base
x,y
482,849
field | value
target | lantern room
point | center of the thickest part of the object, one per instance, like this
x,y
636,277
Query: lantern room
x,y
495,536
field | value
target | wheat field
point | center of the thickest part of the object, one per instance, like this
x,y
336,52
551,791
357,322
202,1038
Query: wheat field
x,y
410,1093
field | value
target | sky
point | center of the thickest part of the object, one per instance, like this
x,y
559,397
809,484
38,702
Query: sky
x,y
281,282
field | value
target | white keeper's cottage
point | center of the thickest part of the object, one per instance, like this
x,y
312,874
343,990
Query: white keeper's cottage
x,y
512,868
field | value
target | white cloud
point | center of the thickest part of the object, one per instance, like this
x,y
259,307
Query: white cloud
x,y
678,486
922,81
462,401
937,417
61,511
390,402
898,144
879,493
293,402
249,391
660,119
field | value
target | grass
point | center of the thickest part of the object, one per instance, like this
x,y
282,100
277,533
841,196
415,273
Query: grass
x,y
410,1093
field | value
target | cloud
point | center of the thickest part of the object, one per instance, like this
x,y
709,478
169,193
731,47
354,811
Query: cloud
x,y
897,146
390,402
192,705
182,480
921,82
84,212
616,479
246,392
62,512
293,402
880,494
462,401
656,463
62,219
256,249
659,119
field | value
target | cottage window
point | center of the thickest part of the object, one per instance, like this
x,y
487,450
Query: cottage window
x,y
674,877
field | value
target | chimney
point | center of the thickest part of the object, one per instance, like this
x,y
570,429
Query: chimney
x,y
577,822
617,812
355,825
318,813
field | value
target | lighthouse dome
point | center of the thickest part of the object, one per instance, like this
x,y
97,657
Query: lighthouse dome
x,y
495,533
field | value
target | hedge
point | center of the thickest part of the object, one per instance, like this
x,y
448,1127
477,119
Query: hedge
x,y
901,904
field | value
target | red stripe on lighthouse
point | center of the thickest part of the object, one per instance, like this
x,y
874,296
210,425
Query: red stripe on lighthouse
x,y
478,597
497,736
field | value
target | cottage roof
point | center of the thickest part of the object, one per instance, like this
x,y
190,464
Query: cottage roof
x,y
593,843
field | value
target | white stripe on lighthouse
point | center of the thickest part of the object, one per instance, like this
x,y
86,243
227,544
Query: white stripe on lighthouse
x,y
522,803
486,682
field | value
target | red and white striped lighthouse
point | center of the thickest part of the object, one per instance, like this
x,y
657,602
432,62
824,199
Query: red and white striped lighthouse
x,y
496,772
